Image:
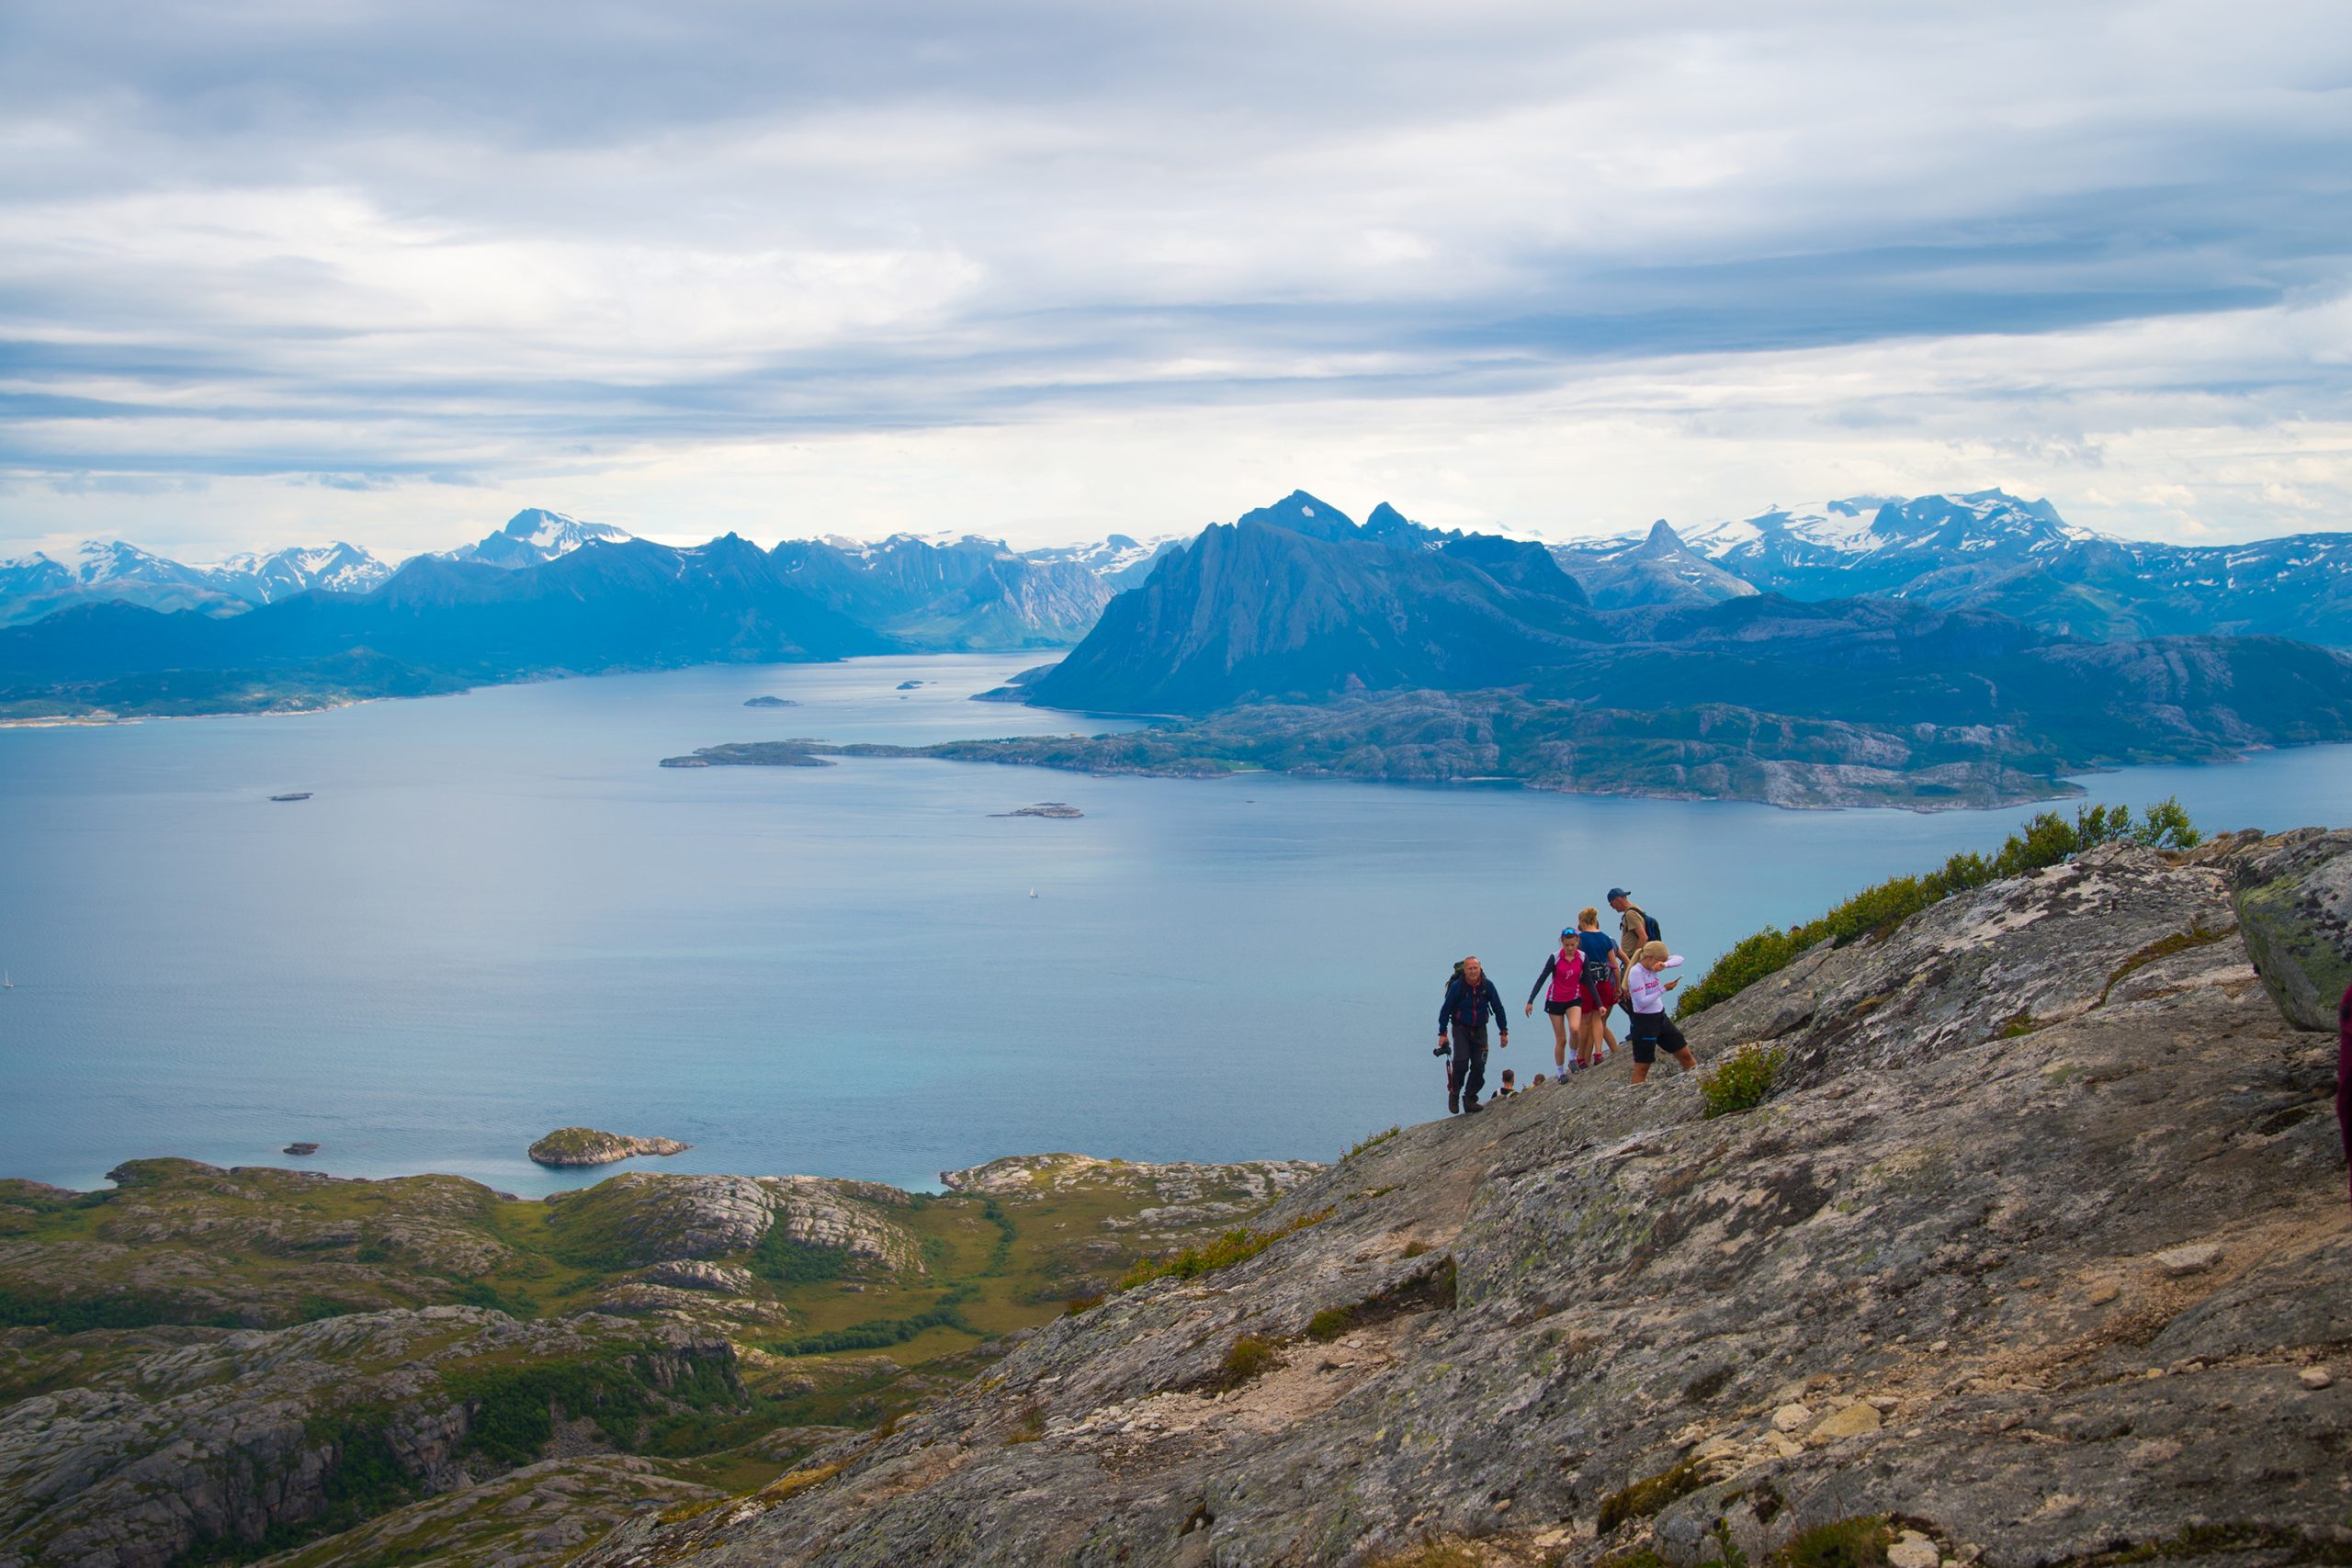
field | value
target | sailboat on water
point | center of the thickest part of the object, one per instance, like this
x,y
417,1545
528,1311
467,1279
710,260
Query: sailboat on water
x,y
6,983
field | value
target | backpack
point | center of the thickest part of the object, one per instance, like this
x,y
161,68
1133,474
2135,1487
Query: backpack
x,y
1596,971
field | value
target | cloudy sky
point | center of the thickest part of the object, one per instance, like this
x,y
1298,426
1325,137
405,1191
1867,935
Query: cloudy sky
x,y
277,272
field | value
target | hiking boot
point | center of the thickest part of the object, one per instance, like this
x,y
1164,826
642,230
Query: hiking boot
x,y
1453,1105
1472,1108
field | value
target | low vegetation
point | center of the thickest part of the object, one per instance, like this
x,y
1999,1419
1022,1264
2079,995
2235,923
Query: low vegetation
x,y
1248,1357
1369,1141
1742,1080
1237,1246
2046,841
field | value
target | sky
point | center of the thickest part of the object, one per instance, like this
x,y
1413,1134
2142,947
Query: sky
x,y
277,273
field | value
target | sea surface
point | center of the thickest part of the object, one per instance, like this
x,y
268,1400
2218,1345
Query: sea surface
x,y
497,916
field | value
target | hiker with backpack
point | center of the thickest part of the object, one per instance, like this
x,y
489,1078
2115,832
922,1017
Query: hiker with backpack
x,y
1635,930
1562,982
1597,991
1470,1000
1645,988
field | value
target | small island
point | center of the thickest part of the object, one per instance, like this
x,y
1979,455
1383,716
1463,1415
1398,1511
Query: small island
x,y
586,1146
1053,808
910,685
770,703
301,1148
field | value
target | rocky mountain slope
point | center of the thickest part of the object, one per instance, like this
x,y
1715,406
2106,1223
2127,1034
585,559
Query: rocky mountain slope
x,y
2036,1254
207,1366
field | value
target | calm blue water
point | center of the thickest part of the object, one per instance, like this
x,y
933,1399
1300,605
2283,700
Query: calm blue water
x,y
497,916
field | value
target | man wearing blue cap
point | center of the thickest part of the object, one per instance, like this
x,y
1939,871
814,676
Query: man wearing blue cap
x,y
1635,930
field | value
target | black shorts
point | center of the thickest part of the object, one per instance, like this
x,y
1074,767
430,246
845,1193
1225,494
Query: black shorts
x,y
1558,1010
1652,1030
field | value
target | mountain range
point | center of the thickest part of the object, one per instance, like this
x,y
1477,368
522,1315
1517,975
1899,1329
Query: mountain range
x,y
1295,639
1988,550
961,593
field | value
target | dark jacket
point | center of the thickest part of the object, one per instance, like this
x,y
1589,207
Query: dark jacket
x,y
1474,1006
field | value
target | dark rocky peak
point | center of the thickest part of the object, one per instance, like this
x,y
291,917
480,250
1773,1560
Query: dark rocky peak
x,y
1393,527
1516,563
1303,513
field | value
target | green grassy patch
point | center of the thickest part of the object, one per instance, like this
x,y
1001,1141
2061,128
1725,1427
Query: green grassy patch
x,y
1369,1141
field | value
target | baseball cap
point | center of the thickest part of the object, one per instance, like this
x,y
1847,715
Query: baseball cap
x,y
1619,892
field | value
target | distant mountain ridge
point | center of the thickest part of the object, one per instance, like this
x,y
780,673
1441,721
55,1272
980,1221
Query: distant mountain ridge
x,y
1992,550
112,571
968,593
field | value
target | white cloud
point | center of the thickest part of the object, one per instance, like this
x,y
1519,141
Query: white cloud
x,y
1052,270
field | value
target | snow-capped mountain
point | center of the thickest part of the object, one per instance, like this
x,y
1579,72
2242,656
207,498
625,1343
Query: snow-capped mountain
x,y
103,570
1116,558
536,535
1657,568
1992,550
264,579
1875,544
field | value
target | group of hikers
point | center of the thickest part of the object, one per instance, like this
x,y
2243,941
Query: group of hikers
x,y
1590,975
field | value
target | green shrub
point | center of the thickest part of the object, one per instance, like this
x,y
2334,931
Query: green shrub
x,y
1369,1141
1076,1305
883,1333
2046,841
1330,1322
1237,1246
1743,1080
1000,1255
1648,1495
1249,1357
79,1314
1848,1543
482,1293
788,1262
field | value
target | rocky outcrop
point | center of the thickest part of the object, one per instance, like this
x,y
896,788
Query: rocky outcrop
x,y
2293,896
180,1440
587,1146
641,1218
2039,1249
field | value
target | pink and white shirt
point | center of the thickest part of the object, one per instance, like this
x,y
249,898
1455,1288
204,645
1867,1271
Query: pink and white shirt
x,y
1646,987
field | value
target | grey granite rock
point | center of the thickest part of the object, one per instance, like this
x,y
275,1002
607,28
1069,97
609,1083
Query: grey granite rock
x,y
1999,1121
2294,903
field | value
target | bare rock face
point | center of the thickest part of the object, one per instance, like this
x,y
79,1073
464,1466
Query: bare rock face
x,y
641,1218
210,1438
586,1146
692,1274
2040,1253
2294,905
